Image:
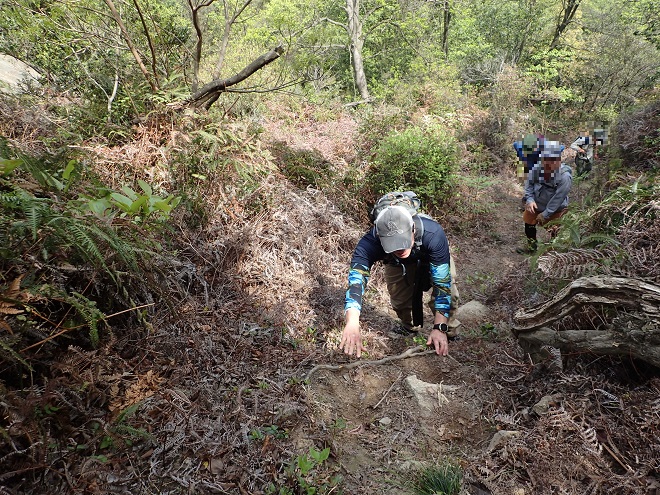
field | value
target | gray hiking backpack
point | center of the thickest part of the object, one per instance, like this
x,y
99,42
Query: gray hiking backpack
x,y
408,200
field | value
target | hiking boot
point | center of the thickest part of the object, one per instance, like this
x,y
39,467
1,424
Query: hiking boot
x,y
526,250
405,331
529,248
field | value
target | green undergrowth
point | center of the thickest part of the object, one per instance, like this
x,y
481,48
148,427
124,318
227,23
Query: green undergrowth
x,y
73,252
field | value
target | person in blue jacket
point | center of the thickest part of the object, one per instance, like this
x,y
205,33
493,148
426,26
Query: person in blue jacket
x,y
529,151
412,263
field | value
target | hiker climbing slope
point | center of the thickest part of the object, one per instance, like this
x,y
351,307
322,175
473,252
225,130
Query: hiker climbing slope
x,y
585,146
546,194
415,252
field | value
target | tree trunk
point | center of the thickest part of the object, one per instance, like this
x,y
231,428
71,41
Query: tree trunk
x,y
355,35
209,94
197,53
230,20
569,8
640,300
530,15
640,344
129,42
150,43
446,18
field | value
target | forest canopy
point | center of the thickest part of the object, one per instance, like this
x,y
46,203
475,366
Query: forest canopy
x,y
126,57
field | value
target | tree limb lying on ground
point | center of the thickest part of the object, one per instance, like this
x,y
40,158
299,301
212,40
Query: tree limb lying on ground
x,y
639,344
420,350
640,339
623,292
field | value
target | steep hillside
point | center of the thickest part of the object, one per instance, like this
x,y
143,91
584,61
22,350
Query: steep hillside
x,y
211,391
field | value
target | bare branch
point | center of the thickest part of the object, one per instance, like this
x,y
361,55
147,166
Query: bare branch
x,y
129,42
208,94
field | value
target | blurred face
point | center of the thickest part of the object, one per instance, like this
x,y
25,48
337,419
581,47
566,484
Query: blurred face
x,y
404,253
551,164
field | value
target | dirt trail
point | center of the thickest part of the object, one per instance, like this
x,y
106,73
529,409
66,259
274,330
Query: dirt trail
x,y
377,430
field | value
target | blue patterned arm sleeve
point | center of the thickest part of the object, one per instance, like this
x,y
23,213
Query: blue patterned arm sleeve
x,y
358,278
441,279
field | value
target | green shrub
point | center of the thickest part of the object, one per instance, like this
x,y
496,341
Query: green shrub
x,y
302,167
416,159
378,122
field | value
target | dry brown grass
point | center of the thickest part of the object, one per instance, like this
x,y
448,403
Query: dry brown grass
x,y
259,291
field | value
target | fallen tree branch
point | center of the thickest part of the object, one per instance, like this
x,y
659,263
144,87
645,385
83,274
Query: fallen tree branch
x,y
621,292
412,352
639,343
208,94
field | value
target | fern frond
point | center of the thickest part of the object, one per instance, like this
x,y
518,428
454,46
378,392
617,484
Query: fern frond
x,y
555,357
591,440
85,308
92,315
35,214
14,355
120,247
83,236
576,263
127,430
508,419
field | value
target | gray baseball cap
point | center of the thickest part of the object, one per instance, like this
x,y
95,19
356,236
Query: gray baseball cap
x,y
394,227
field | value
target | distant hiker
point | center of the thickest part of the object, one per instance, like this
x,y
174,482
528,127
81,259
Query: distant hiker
x,y
415,253
529,151
546,193
585,145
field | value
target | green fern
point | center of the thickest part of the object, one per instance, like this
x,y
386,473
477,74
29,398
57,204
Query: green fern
x,y
85,308
83,236
13,354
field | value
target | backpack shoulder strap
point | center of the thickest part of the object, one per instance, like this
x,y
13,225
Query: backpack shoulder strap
x,y
419,228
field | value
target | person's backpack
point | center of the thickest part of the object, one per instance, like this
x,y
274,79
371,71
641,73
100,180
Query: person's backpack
x,y
408,200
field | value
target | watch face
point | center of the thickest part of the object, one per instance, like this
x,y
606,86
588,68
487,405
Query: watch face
x,y
442,327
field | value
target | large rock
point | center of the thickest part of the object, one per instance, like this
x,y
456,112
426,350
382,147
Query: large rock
x,y
14,74
472,313
430,395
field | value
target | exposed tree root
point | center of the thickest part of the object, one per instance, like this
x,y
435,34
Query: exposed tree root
x,y
412,352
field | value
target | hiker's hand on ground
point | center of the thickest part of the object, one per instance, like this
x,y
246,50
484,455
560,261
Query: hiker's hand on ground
x,y
439,341
540,219
351,340
531,207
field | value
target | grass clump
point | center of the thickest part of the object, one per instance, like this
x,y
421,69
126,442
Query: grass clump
x,y
443,479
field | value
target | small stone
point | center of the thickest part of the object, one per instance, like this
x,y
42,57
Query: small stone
x,y
385,421
544,405
500,438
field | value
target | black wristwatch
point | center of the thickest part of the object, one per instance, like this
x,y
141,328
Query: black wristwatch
x,y
442,327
